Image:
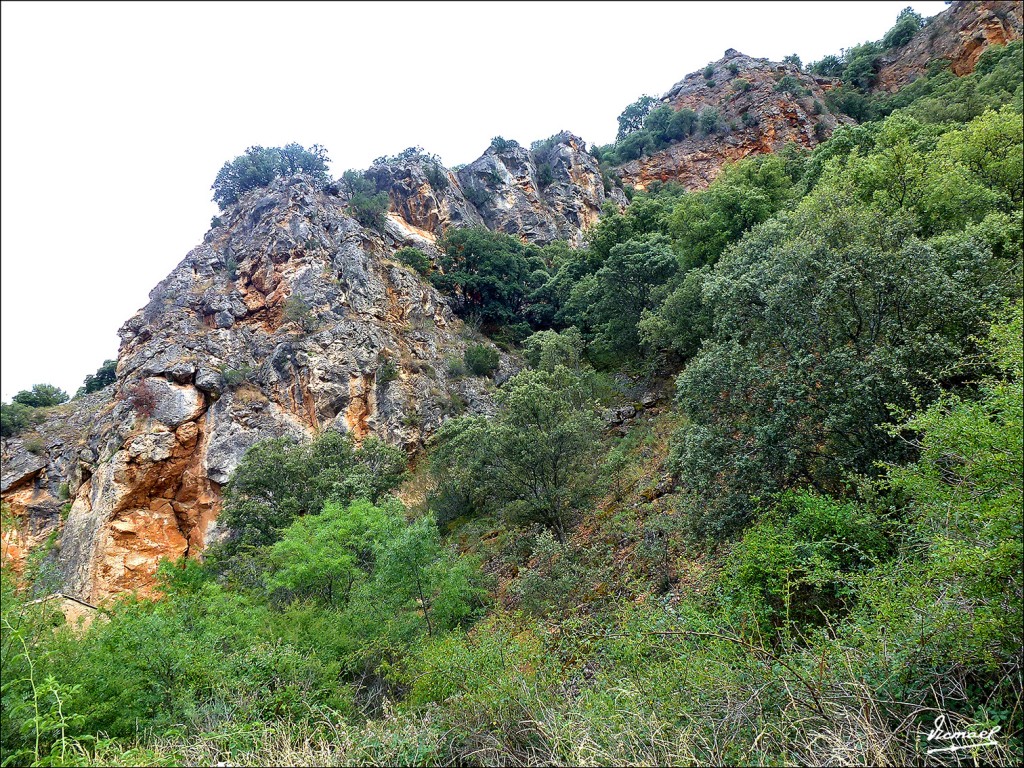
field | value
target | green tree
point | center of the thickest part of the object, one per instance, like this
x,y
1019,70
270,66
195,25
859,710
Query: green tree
x,y
481,359
821,320
16,417
324,555
489,274
41,396
259,166
105,375
368,206
615,298
632,117
535,460
279,480
907,24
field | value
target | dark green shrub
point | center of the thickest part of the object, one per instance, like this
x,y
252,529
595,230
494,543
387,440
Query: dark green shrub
x,y
710,121
544,175
105,376
259,166
907,24
387,372
15,418
235,376
734,68
792,85
366,204
482,360
741,85
437,176
501,144
415,258
709,71
632,117
297,310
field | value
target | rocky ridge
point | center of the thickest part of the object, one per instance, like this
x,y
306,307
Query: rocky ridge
x,y
290,318
761,106
958,35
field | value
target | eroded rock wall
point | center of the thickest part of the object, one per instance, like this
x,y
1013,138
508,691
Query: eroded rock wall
x,y
959,35
761,106
280,323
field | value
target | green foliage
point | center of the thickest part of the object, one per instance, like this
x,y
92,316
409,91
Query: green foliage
x,y
780,399
41,396
546,350
279,480
387,372
793,60
500,144
481,359
610,302
794,567
534,461
233,377
792,85
368,206
415,258
259,166
710,121
105,376
489,274
741,85
324,555
297,310
907,24
709,71
16,418
966,505
632,117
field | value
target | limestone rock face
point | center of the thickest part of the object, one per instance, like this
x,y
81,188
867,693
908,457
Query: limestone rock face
x,y
758,112
549,193
959,34
280,323
425,197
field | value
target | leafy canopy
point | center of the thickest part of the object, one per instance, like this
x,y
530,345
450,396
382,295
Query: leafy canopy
x,y
259,166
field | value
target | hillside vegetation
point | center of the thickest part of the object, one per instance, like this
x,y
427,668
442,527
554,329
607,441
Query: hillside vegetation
x,y
755,498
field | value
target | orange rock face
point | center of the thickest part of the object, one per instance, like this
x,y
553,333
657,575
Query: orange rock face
x,y
959,35
761,106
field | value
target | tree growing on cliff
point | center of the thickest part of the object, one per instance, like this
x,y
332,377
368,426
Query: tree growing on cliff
x,y
632,117
261,165
105,375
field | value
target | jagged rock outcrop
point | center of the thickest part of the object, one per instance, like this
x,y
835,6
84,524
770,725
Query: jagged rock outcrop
x,y
761,106
551,192
424,197
290,318
959,35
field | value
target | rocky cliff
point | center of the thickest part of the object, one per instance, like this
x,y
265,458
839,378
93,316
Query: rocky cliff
x,y
552,191
290,318
760,106
958,35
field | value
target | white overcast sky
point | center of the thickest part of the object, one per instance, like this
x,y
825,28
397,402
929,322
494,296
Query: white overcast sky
x,y
117,116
